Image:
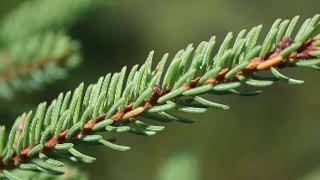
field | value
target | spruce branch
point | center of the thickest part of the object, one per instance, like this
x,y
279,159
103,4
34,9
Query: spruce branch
x,y
114,105
29,64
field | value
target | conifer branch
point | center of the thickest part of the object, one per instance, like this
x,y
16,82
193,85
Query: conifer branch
x,y
114,105
28,64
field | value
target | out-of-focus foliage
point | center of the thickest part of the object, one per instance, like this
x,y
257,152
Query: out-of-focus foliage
x,y
33,52
179,165
72,173
44,15
314,175
30,64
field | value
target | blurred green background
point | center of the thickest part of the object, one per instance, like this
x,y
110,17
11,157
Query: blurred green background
x,y
271,136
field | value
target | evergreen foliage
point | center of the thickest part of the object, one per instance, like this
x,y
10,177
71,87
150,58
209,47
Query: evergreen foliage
x,y
124,101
